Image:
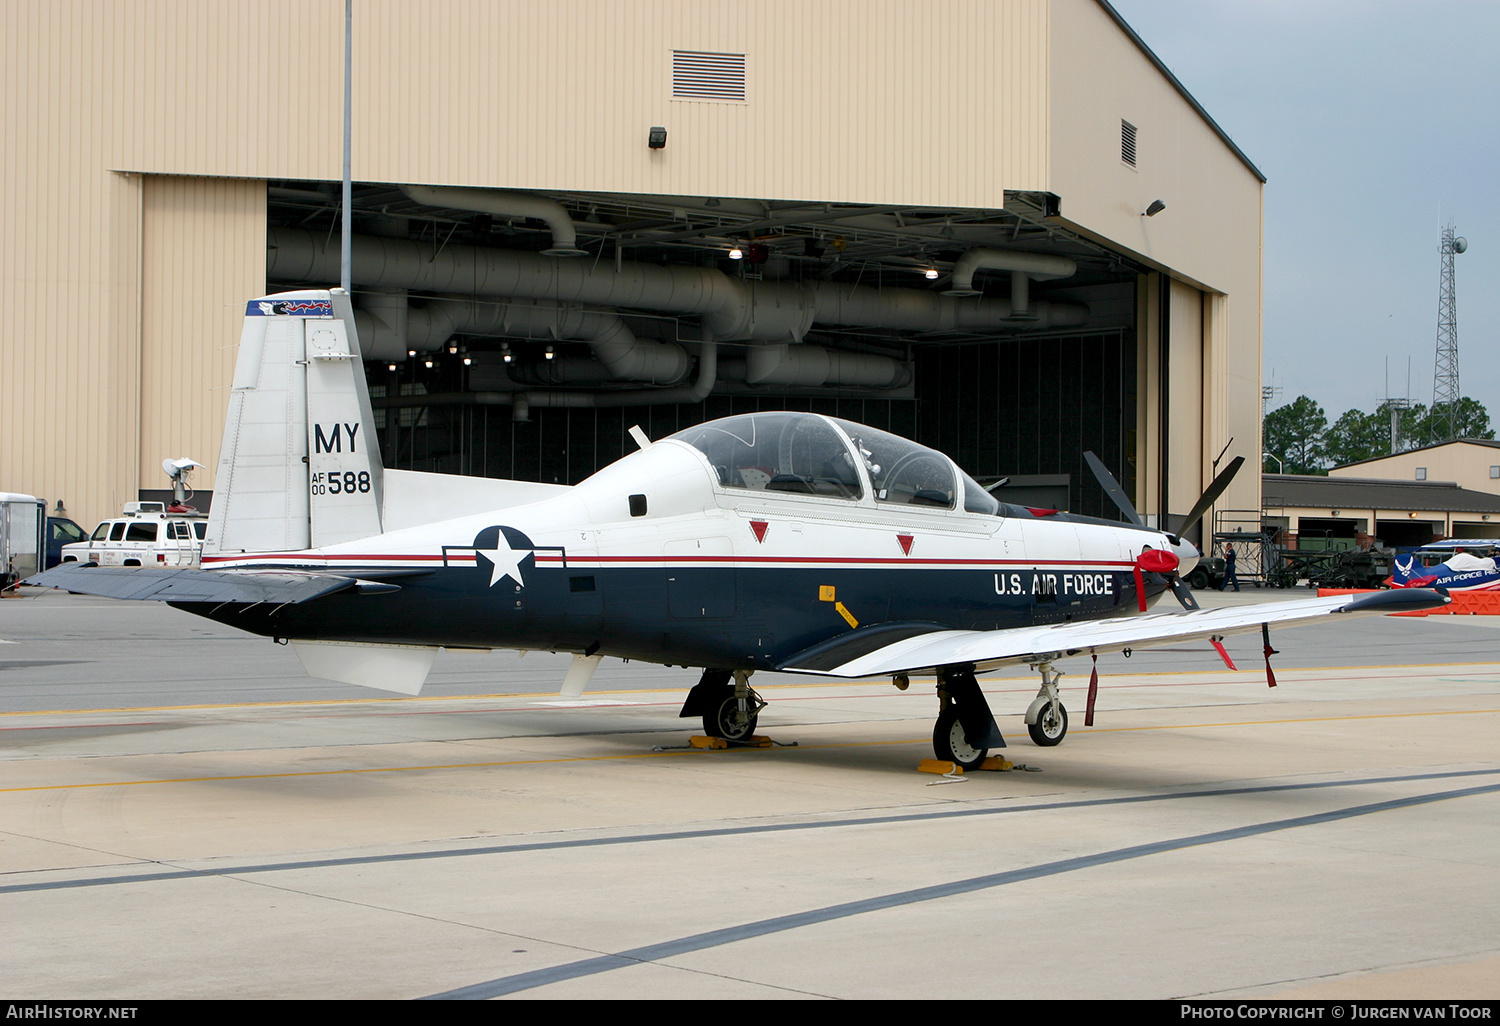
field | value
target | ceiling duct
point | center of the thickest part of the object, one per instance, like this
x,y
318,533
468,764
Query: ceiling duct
x,y
623,356
731,309
1022,265
505,204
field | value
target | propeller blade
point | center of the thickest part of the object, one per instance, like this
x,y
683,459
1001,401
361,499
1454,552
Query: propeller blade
x,y
1209,497
1113,490
1184,592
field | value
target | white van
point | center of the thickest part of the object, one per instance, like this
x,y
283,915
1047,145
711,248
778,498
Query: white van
x,y
146,535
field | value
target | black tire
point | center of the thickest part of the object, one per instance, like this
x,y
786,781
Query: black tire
x,y
1049,730
724,719
950,745
1198,579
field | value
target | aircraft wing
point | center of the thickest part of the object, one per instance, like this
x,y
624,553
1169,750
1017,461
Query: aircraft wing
x,y
874,653
162,584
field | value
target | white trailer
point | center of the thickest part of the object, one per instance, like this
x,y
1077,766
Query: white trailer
x,y
22,520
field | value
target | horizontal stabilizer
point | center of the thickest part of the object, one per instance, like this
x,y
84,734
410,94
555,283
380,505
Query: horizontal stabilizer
x,y
169,585
988,649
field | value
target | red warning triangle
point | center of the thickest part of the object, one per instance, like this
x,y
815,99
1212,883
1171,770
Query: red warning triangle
x,y
905,540
759,527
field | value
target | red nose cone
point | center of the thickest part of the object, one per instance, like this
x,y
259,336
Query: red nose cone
x,y
1157,561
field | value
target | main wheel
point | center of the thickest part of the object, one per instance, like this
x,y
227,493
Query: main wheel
x,y
950,744
727,721
1050,728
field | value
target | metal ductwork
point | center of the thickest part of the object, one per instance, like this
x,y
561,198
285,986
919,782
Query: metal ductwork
x,y
731,310
521,402
1023,266
505,204
804,365
622,356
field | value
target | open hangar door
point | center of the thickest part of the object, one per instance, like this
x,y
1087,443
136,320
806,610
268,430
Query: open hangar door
x,y
520,335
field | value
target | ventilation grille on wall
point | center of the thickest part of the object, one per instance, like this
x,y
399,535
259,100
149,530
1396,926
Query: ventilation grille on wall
x,y
1127,143
708,76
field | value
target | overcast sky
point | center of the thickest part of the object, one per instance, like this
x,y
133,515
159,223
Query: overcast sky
x,y
1375,122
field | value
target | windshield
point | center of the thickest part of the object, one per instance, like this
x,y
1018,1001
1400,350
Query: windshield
x,y
901,470
777,452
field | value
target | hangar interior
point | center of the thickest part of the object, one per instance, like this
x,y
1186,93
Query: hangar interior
x,y
520,335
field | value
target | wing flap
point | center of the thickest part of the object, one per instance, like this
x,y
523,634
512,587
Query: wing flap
x,y
988,649
173,585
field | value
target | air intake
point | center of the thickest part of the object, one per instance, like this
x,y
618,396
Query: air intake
x,y
1127,143
708,76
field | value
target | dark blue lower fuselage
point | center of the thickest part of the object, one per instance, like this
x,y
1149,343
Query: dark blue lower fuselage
x,y
752,618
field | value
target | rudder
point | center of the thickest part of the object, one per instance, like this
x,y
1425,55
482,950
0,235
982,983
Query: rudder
x,y
299,465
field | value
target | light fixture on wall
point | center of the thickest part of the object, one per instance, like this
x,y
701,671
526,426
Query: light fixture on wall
x,y
1335,512
1156,207
550,353
657,138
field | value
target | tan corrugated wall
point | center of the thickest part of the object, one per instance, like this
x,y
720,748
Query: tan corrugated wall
x,y
203,245
1100,78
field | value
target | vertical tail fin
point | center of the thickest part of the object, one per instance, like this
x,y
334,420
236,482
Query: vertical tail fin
x,y
1405,569
299,466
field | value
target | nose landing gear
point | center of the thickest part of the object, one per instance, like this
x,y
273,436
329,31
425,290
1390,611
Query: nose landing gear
x,y
1046,719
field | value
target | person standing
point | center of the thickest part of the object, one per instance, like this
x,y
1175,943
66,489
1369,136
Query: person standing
x,y
1229,575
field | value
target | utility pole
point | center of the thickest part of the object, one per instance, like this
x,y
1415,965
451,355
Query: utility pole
x,y
346,243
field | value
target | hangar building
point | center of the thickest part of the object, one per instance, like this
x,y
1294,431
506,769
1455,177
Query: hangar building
x,y
575,216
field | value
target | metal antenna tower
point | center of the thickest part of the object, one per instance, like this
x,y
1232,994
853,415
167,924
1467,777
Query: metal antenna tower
x,y
1268,394
1445,391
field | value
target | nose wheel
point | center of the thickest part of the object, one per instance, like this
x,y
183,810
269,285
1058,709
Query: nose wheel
x,y
1046,719
1051,725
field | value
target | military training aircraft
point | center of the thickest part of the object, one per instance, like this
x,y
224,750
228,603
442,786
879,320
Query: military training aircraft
x,y
1448,565
770,541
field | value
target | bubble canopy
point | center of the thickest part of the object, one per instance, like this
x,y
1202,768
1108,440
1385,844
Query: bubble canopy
x,y
804,453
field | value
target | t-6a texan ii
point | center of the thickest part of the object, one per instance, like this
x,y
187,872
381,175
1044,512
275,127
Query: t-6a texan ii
x,y
771,541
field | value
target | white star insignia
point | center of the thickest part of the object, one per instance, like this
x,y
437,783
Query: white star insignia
x,y
504,562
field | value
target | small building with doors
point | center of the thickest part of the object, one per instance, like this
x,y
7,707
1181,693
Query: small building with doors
x,y
1472,463
1310,512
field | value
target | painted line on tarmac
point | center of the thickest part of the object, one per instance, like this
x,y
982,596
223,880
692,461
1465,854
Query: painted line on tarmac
x,y
653,953
709,832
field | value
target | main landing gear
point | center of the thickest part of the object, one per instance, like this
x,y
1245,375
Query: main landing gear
x,y
729,710
965,730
